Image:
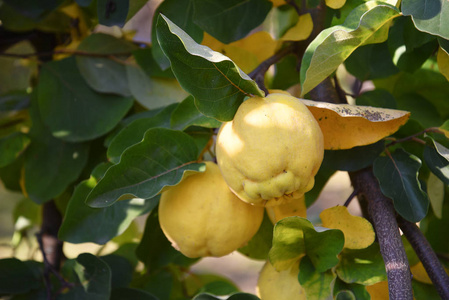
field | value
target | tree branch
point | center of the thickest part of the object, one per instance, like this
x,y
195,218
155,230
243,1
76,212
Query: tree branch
x,y
383,216
427,256
258,74
50,245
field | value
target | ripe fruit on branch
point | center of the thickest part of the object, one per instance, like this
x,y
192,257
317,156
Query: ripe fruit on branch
x,y
274,285
202,217
271,151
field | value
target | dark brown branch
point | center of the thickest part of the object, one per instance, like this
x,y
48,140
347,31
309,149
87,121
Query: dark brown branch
x,y
427,256
383,216
258,74
50,245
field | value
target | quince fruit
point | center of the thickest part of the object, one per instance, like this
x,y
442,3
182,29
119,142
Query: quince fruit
x,y
274,285
271,151
202,217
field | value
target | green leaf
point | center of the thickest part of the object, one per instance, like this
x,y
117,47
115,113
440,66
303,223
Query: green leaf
x,y
215,17
286,73
134,132
153,92
243,296
436,158
377,98
237,296
422,291
134,7
186,114
171,9
126,293
362,266
428,83
94,276
410,48
11,175
12,146
333,45
260,244
398,179
144,58
421,109
14,101
162,159
429,16
73,111
32,9
434,228
14,75
355,158
155,251
50,163
83,224
217,84
357,291
295,237
103,74
101,43
112,12
219,288
26,214
435,190
371,62
317,285
444,44
15,273
121,270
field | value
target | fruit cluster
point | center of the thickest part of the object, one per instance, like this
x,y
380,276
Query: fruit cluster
x,y
267,156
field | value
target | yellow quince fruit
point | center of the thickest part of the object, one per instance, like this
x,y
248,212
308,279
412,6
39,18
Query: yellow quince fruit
x,y
271,151
274,285
202,217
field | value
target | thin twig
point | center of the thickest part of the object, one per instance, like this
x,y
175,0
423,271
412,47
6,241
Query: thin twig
x,y
383,216
48,268
414,136
292,3
348,201
258,74
427,256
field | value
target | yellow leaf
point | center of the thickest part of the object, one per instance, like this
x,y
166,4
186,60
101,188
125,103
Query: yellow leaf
x,y
335,4
301,30
358,231
346,126
247,53
443,62
420,274
378,291
277,3
289,209
212,43
435,190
